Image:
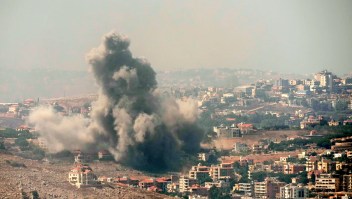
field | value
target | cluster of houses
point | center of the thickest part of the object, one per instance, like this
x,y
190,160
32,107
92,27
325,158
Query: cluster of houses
x,y
328,174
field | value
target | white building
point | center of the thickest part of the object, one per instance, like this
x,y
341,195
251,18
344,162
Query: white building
x,y
292,191
225,131
185,183
82,176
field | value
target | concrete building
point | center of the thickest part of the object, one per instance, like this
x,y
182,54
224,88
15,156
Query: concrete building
x,y
185,183
292,191
222,171
312,164
199,172
239,147
260,190
327,183
82,176
269,189
247,188
293,168
227,132
326,166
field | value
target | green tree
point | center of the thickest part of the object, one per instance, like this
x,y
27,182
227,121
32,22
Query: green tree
x,y
216,193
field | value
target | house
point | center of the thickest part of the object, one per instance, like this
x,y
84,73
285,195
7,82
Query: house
x,y
82,176
146,183
127,181
245,128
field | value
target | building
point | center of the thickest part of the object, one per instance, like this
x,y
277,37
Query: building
x,y
327,183
239,147
293,168
197,190
292,191
146,183
222,171
127,181
312,164
185,183
260,190
326,166
82,176
245,128
199,172
247,188
347,183
267,189
81,158
341,144
104,155
227,132
219,184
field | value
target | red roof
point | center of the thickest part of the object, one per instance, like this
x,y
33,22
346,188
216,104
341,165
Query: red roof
x,y
148,180
245,125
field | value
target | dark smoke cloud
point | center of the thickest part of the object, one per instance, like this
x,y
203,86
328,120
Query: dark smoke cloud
x,y
130,119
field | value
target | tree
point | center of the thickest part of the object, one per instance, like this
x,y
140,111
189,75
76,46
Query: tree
x,y
216,193
22,143
35,194
341,105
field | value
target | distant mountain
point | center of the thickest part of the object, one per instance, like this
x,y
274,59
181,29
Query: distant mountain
x,y
16,85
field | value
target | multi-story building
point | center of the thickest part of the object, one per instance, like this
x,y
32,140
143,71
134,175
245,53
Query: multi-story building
x,y
199,172
327,183
311,164
260,190
221,172
247,188
341,144
239,147
293,168
82,176
326,165
228,132
277,167
292,191
347,183
185,183
267,189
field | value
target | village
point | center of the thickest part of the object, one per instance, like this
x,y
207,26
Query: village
x,y
271,139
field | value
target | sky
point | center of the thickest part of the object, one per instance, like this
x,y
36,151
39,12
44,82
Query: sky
x,y
282,36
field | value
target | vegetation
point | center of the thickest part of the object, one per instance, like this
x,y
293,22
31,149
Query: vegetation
x,y
216,193
287,178
15,164
12,133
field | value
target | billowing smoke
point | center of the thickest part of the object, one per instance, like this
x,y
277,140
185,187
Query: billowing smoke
x,y
130,119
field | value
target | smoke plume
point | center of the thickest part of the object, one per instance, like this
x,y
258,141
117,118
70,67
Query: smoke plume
x,y
130,119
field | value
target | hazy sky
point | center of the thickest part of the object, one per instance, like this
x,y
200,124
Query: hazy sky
x,y
284,36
